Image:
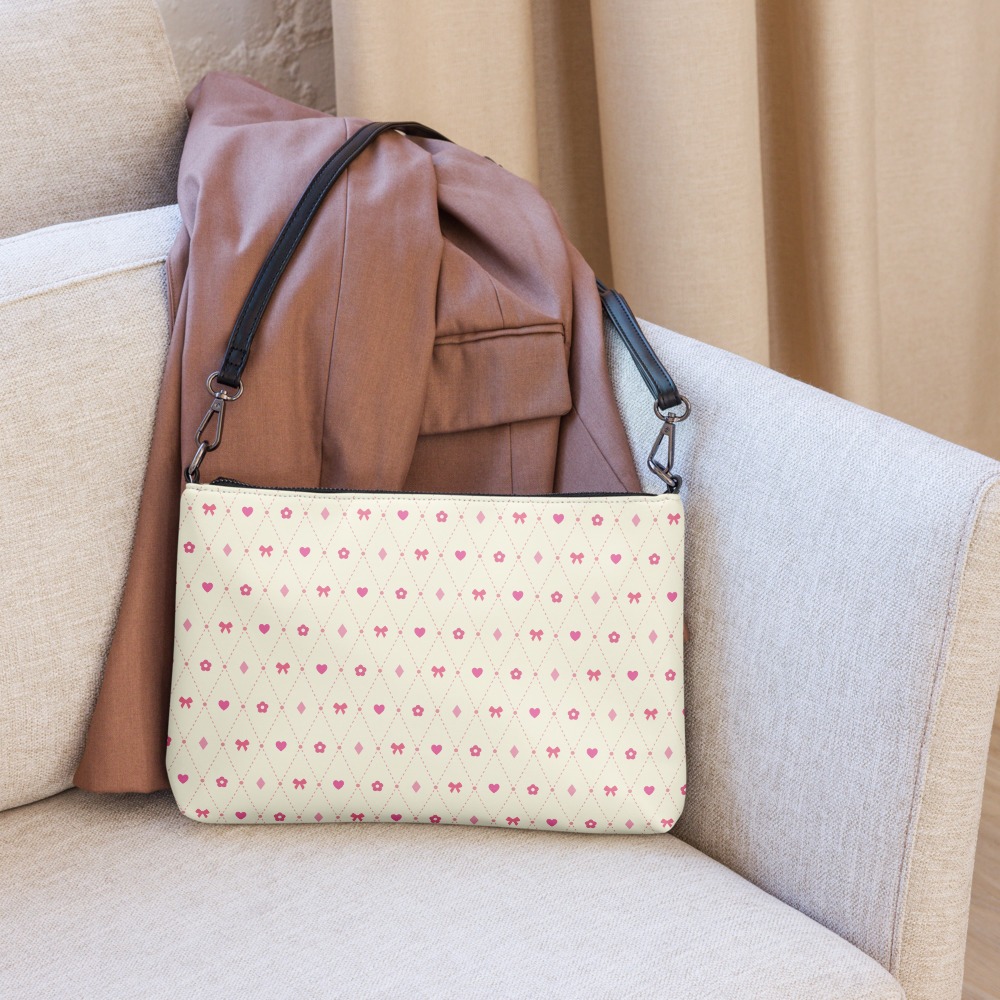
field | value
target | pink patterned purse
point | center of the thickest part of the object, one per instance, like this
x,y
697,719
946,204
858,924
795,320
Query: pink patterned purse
x,y
365,656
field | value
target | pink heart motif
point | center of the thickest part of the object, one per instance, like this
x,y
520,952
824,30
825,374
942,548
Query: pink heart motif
x,y
672,596
264,629
436,748
402,514
247,511
558,518
379,709
241,815
574,635
477,671
396,817
494,788
517,594
591,751
616,558
223,705
552,822
182,778
533,712
280,744
321,668
419,631
649,789
632,674
362,591
304,551
459,554
206,587
339,783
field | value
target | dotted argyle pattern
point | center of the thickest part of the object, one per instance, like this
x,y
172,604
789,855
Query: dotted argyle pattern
x,y
426,658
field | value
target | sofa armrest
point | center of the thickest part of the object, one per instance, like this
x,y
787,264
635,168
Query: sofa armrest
x,y
844,656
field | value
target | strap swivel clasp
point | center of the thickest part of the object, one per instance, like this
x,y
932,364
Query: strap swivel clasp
x,y
667,425
216,409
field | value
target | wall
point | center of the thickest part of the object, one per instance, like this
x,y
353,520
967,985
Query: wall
x,y
287,45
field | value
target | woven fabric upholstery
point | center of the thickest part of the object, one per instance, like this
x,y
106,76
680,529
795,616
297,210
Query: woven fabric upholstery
x,y
83,334
93,115
120,895
844,657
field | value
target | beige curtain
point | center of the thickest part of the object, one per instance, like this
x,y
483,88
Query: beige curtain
x,y
813,185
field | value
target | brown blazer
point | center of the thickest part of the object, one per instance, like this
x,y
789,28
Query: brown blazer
x,y
435,331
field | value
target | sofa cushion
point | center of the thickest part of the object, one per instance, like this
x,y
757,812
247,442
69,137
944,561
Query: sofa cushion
x,y
83,333
122,895
93,115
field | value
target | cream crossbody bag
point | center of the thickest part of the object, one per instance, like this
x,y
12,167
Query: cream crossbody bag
x,y
365,656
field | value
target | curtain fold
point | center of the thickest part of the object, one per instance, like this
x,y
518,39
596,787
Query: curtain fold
x,y
813,186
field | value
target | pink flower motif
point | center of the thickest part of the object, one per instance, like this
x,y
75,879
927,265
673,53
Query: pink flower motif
x,y
442,516
343,553
360,670
262,707
189,547
286,513
222,782
630,753
556,597
613,637
475,750
376,786
670,675
654,559
319,747
684,789
532,789
597,520
458,633
279,817
498,556
400,593
205,665
435,818
418,710
574,714
515,674
303,630
590,824
246,590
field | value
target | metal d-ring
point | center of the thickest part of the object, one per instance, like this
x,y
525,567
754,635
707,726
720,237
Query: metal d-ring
x,y
668,421
216,409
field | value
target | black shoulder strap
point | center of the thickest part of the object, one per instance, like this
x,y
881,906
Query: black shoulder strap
x,y
661,385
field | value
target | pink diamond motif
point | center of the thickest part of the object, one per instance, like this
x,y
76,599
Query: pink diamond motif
x,y
227,549
187,624
203,743
243,667
358,748
595,596
439,593
629,824
301,707
538,557
513,751
324,513
555,674
382,553
480,517
342,631
652,636
668,753
415,786
260,782
571,790
399,671
319,816
612,715
284,590
456,711
636,519
497,633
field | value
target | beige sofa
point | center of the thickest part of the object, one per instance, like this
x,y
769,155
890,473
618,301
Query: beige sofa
x,y
841,674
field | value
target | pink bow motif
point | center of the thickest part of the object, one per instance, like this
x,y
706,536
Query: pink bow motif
x,y
208,508
519,518
496,711
634,598
593,675
513,820
398,747
552,751
185,702
339,707
357,817
537,633
610,790
437,671
364,513
420,554
381,631
454,786
266,550
299,782
674,518
242,744
323,591
202,812
650,713
576,557
282,668
479,595
225,626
